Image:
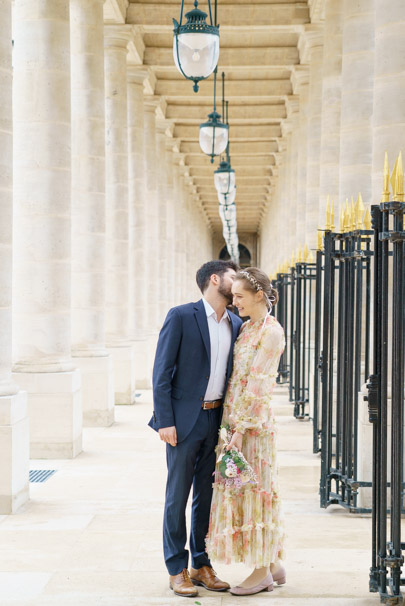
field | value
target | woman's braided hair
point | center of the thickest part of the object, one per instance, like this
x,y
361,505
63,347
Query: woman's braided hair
x,y
255,280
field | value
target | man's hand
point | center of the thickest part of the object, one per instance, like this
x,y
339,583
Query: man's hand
x,y
169,435
236,441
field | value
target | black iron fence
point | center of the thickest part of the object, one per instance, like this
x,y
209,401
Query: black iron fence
x,y
343,363
283,286
386,400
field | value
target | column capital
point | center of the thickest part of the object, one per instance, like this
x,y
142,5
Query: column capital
x,y
156,104
137,74
165,127
299,78
117,37
311,38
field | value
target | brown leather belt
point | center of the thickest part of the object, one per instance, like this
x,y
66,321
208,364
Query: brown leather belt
x,y
211,405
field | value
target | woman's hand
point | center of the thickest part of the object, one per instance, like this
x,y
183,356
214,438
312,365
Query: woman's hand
x,y
236,441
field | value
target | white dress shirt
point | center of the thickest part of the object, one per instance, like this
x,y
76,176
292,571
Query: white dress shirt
x,y
220,339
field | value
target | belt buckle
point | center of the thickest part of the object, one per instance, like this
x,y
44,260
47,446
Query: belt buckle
x,y
204,406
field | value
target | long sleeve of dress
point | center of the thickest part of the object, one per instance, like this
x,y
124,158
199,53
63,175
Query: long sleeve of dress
x,y
250,410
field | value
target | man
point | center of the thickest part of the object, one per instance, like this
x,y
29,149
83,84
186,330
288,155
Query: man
x,y
192,366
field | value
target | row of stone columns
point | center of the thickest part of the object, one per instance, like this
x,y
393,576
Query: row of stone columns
x,y
350,89
93,206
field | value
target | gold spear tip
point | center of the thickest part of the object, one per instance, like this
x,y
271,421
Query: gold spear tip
x,y
367,219
327,220
385,197
292,262
332,215
393,181
346,217
399,182
311,257
359,211
306,252
299,254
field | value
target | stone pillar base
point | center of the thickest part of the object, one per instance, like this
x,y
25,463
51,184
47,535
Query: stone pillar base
x,y
55,413
143,364
124,373
97,390
14,452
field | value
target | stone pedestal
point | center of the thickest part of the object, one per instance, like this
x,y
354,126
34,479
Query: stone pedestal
x,y
124,373
55,413
97,390
14,452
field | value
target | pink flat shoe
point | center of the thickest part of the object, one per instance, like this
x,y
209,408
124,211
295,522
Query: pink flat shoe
x,y
265,585
279,577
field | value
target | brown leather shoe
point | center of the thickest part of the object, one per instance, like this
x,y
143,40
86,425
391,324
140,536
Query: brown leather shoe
x,y
182,585
206,576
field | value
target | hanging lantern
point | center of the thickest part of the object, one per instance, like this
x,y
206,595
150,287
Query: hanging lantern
x,y
227,199
224,178
214,133
227,213
196,44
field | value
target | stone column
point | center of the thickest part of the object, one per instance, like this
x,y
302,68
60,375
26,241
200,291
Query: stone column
x,y
314,42
389,88
301,87
171,224
88,212
153,245
14,429
42,269
117,295
331,103
138,259
162,204
356,137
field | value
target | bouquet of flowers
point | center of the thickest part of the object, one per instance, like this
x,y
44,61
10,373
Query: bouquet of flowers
x,y
233,467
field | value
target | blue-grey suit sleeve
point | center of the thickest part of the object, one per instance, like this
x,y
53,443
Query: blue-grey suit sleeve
x,y
165,361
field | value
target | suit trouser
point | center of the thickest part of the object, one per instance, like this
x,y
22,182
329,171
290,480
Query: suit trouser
x,y
190,463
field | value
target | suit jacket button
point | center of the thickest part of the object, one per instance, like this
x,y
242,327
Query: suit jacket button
x,y
201,398
207,377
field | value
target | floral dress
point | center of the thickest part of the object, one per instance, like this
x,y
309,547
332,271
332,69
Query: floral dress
x,y
245,523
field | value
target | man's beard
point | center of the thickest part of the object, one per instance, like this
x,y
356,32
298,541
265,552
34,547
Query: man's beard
x,y
226,292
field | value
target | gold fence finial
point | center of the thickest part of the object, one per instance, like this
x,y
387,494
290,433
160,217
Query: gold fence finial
x,y
386,180
342,219
306,252
299,255
399,180
346,217
327,220
278,267
367,219
292,262
393,181
311,257
332,215
319,243
359,211
352,215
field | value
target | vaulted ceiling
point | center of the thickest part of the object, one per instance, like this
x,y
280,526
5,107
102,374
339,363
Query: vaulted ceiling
x,y
258,53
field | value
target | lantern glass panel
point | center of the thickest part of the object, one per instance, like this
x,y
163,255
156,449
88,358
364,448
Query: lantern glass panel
x,y
226,199
197,53
207,137
224,181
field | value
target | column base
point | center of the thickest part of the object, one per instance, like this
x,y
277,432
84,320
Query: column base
x,y
14,452
97,375
124,373
143,364
55,413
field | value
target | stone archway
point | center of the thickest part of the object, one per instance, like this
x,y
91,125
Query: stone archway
x,y
245,258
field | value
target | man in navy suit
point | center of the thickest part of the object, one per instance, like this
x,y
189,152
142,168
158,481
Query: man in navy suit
x,y
192,367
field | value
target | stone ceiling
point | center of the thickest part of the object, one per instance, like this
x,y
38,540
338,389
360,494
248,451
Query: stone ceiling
x,y
259,52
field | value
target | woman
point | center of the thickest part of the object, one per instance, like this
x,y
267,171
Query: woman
x,y
245,522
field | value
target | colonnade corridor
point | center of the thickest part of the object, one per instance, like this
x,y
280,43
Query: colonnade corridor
x,y
91,534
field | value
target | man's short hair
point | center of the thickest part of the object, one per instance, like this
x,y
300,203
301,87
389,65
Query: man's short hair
x,y
217,267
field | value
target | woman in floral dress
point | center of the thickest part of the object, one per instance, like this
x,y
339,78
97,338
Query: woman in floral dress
x,y
245,522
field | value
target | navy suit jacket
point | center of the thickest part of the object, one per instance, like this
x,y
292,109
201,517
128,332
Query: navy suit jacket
x,y
182,367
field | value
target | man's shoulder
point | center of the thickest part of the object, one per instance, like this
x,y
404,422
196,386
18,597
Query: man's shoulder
x,y
186,308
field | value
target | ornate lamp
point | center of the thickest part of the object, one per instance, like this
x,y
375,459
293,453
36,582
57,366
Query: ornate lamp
x,y
227,199
214,133
224,176
196,44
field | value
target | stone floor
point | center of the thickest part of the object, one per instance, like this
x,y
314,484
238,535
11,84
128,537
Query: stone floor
x,y
91,534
